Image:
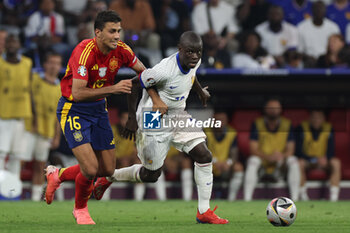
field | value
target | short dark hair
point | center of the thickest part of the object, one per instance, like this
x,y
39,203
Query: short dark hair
x,y
106,16
51,54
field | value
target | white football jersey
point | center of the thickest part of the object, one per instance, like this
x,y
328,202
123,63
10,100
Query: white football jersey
x,y
172,82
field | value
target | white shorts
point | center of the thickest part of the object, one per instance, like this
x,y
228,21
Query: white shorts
x,y
38,147
12,138
153,148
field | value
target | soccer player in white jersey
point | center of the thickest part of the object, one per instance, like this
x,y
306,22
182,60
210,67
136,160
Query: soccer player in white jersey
x,y
173,78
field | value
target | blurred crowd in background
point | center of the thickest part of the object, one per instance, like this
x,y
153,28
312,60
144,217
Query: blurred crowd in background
x,y
236,34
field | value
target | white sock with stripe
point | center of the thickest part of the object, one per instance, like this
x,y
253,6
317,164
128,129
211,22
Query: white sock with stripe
x,y
203,176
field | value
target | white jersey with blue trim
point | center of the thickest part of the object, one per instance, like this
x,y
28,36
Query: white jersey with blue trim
x,y
172,82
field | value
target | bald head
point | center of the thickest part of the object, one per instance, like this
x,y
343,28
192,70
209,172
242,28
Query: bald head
x,y
190,38
190,49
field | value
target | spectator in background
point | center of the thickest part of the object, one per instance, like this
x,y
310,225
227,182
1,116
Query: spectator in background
x,y
46,25
315,149
44,133
331,59
250,53
222,142
272,145
293,59
177,161
339,12
172,19
215,17
3,35
138,23
251,13
314,34
15,103
16,13
296,11
277,36
74,13
86,27
213,56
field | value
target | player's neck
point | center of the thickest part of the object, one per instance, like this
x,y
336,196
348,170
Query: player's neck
x,y
103,49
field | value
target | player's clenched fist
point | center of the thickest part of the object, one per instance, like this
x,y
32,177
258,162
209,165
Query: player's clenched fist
x,y
124,86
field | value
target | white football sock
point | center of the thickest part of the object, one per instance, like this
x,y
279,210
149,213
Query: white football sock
x,y
14,165
334,193
251,177
203,175
303,193
293,177
235,185
187,184
139,191
131,174
2,160
37,191
160,187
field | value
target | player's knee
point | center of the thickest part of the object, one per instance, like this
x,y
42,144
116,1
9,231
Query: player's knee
x,y
204,157
90,172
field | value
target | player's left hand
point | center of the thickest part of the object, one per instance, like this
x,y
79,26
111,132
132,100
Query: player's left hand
x,y
204,96
129,131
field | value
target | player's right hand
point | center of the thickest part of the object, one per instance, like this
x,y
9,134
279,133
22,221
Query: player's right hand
x,y
129,131
124,86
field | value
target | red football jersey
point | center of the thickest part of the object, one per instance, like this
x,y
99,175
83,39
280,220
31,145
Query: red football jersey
x,y
89,63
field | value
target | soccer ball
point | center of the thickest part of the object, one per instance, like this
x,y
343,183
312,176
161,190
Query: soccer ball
x,y
281,211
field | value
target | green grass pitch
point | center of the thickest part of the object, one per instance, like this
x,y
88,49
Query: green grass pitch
x,y
169,216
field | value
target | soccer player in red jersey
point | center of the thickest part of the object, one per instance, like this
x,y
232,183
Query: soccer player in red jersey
x,y
81,111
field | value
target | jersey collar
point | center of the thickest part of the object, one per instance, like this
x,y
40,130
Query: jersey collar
x,y
179,65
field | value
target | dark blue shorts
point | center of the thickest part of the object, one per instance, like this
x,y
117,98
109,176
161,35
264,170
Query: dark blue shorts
x,y
85,122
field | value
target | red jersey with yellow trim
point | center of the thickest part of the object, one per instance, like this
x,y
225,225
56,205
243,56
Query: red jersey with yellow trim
x,y
87,62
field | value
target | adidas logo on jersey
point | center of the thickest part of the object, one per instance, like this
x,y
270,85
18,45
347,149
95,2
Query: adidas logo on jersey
x,y
95,67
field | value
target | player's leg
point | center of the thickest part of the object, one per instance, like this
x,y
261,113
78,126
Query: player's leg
x,y
106,162
335,177
251,176
186,177
235,181
303,189
203,175
152,150
293,177
84,182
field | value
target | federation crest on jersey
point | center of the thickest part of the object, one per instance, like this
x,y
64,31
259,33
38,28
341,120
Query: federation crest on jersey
x,y
78,137
150,82
113,64
102,71
82,70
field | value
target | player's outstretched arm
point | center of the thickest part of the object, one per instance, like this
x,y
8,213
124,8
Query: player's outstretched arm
x,y
82,93
132,99
203,93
